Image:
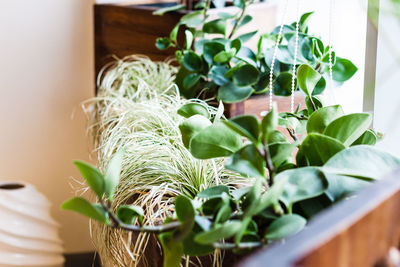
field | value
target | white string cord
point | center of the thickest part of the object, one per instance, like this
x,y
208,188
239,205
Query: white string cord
x,y
296,48
331,11
271,72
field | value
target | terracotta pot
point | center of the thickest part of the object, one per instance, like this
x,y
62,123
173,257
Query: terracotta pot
x,y
259,103
28,234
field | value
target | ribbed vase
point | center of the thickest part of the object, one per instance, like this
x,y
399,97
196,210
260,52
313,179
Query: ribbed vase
x,y
28,234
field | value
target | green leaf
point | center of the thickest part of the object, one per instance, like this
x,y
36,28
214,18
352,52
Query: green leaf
x,y
224,56
343,70
280,152
217,75
310,107
192,126
367,138
225,211
240,192
269,122
184,209
283,55
190,109
212,205
191,80
245,125
362,161
252,198
162,11
173,35
193,19
246,55
212,192
283,84
84,207
163,43
215,141
128,213
247,161
185,213
302,183
192,248
317,149
246,75
113,172
321,118
317,47
246,19
261,86
307,78
247,36
341,186
93,177
210,50
276,137
189,39
303,22
232,70
192,61
271,196
180,77
172,251
237,44
230,93
320,87
285,226
349,128
218,232
217,26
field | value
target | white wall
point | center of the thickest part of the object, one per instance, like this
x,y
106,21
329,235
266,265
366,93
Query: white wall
x,y
46,70
387,85
348,40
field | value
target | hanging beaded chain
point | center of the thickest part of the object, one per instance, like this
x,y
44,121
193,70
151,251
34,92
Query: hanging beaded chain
x,y
271,72
331,11
296,48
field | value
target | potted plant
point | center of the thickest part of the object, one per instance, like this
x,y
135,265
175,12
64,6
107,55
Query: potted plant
x,y
334,157
215,63
129,28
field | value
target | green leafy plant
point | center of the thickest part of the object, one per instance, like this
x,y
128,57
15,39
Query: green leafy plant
x,y
215,61
328,156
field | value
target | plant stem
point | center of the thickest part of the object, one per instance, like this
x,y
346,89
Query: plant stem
x,y
244,245
239,20
292,134
206,8
117,223
269,164
313,104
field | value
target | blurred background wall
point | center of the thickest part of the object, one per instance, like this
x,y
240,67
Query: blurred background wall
x,y
46,71
387,83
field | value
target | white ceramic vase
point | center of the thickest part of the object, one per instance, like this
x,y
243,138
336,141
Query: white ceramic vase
x,y
28,234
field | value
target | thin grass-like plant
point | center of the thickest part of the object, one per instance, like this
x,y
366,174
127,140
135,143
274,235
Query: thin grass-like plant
x,y
136,109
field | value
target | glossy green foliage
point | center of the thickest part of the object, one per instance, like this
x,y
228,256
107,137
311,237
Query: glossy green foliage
x,y
335,159
221,64
84,207
285,226
128,214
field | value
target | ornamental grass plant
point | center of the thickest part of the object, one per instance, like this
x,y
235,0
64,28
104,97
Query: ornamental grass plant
x,y
136,108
